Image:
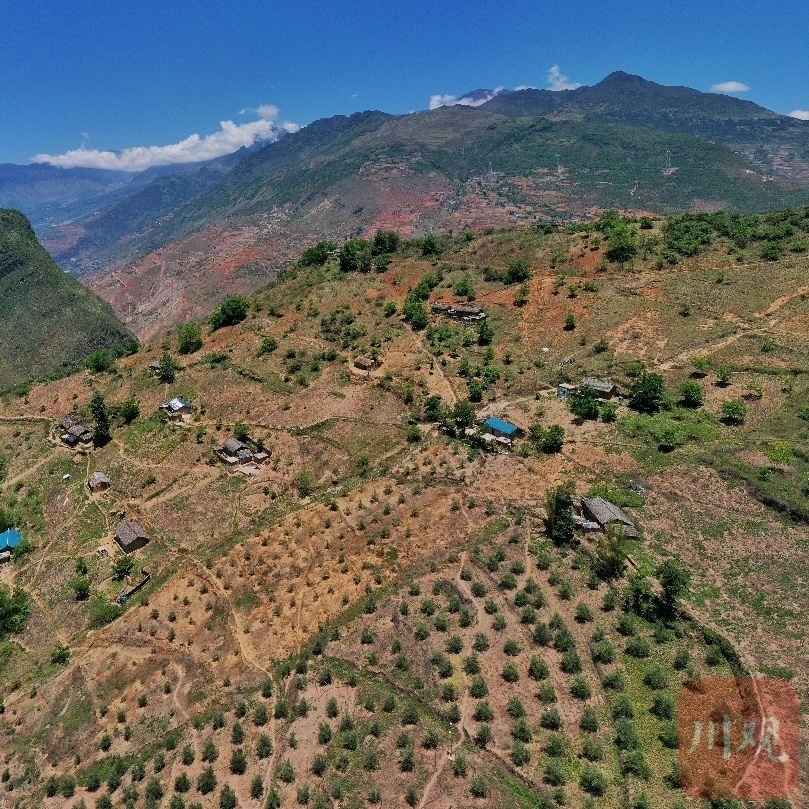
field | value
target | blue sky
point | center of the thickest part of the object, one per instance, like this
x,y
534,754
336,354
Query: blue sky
x,y
113,76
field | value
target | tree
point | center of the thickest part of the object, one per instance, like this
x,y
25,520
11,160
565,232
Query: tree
x,y
227,798
700,365
692,394
584,403
623,243
60,655
638,597
463,414
648,393
476,389
81,588
518,271
99,362
570,321
355,256
206,782
485,333
238,761
122,567
167,370
189,338
550,440
723,375
101,417
431,246
130,410
318,255
231,311
559,520
612,551
734,411
385,241
608,411
464,288
415,313
305,483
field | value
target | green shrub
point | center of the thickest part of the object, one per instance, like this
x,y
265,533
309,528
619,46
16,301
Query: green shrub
x,y
591,749
655,678
638,647
483,712
663,706
580,688
593,781
589,720
551,719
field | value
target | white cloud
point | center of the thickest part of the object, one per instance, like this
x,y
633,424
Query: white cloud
x,y
439,100
801,115
473,100
194,148
730,87
267,112
558,81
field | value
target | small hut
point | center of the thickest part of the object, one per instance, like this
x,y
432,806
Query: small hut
x,y
130,536
98,482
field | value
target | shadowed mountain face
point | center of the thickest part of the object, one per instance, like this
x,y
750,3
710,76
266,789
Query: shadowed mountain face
x,y
48,321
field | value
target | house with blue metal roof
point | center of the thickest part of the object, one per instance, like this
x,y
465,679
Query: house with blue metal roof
x,y
503,429
10,539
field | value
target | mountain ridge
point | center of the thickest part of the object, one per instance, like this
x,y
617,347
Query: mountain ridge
x,y
49,322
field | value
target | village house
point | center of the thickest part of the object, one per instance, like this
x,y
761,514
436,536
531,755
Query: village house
x,y
74,432
601,511
98,482
130,536
177,408
565,390
605,390
234,453
467,312
367,364
10,539
502,429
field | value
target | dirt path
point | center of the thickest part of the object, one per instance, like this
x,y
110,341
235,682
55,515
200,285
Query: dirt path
x,y
686,355
444,386
425,798
31,469
779,303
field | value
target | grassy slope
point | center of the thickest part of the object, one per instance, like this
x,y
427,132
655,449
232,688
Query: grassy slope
x,y
245,571
48,321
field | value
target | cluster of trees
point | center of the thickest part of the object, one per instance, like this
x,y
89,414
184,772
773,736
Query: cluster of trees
x,y
414,310
584,405
361,255
231,311
776,232
14,611
547,439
